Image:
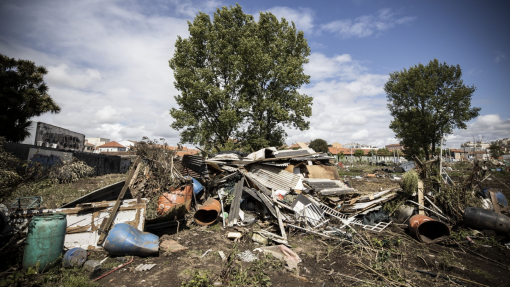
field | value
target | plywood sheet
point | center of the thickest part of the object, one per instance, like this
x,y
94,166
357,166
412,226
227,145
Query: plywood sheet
x,y
322,171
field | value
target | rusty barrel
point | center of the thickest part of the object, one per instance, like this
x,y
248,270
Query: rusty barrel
x,y
208,213
176,196
426,229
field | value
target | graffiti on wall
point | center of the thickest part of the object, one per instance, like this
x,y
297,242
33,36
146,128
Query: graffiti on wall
x,y
59,138
47,158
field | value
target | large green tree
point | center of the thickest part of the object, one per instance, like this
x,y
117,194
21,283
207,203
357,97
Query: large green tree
x,y
359,153
23,95
427,102
319,145
238,79
495,150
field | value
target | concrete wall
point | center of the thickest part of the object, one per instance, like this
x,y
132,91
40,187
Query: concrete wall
x,y
103,164
47,135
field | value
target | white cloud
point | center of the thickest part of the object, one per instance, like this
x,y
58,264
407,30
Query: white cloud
x,y
349,102
367,25
491,127
500,56
302,17
361,135
77,78
107,62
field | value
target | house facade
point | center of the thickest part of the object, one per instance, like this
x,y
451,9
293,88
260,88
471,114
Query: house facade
x,y
112,146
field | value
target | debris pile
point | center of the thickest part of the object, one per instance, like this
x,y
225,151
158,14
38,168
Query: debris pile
x,y
284,191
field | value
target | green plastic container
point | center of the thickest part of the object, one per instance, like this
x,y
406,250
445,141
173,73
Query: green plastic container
x,y
45,241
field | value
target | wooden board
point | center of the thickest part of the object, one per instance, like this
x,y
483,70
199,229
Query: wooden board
x,y
322,171
420,198
495,203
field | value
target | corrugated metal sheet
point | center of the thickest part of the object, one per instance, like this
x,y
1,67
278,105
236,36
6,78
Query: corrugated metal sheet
x,y
283,164
274,177
195,163
304,158
290,153
320,184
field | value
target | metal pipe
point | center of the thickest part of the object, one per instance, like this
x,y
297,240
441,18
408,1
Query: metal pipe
x,y
438,214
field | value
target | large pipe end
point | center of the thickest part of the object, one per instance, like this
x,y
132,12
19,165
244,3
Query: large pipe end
x,y
208,213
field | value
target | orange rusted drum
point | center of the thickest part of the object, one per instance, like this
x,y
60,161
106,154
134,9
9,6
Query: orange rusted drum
x,y
426,229
208,213
175,197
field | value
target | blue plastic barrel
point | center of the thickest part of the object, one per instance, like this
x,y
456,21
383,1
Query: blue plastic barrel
x,y
124,239
74,257
197,186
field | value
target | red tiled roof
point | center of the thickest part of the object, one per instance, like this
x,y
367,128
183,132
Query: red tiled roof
x,y
347,151
112,144
458,150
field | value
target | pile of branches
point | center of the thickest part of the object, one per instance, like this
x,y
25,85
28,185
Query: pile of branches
x,y
157,172
454,199
70,172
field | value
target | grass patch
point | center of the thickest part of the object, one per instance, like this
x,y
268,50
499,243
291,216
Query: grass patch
x,y
54,195
55,277
199,278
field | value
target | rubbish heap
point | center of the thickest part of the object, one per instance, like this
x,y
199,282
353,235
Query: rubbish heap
x,y
286,190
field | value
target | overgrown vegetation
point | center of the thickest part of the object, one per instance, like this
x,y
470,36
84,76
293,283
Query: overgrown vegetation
x,y
57,276
70,172
9,176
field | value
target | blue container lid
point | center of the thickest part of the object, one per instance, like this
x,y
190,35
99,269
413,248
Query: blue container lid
x,y
74,257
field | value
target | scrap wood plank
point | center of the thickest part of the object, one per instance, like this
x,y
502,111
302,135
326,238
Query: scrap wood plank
x,y
420,197
108,223
280,222
495,203
267,202
236,203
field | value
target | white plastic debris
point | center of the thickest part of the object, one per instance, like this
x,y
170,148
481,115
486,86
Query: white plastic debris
x,y
247,256
144,267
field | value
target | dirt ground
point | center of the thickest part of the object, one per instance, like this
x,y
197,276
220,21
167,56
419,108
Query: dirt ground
x,y
395,256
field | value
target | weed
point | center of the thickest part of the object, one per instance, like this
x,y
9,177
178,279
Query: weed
x,y
110,265
384,256
460,234
57,276
215,227
199,278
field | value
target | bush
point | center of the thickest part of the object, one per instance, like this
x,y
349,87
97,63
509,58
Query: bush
x,y
410,182
9,177
71,172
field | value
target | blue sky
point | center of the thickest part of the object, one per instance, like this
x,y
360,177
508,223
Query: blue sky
x,y
108,60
